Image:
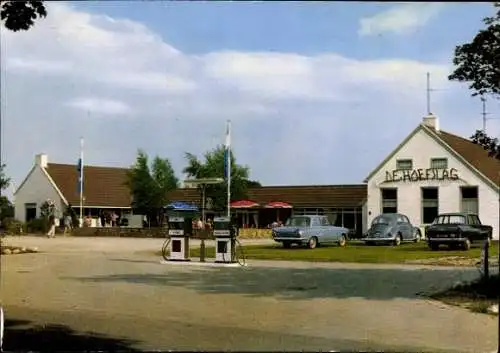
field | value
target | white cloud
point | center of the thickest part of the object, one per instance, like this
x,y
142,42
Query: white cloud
x,y
296,118
399,19
100,106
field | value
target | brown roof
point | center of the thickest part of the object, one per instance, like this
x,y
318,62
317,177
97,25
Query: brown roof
x,y
476,155
328,196
103,186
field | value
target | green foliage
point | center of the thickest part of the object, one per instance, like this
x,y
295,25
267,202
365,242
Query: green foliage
x,y
4,181
13,226
490,144
47,209
478,62
213,167
150,186
6,209
21,15
38,225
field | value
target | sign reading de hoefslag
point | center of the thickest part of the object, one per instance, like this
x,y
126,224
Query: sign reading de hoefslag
x,y
421,174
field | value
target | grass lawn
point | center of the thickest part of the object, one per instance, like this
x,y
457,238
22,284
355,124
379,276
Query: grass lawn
x,y
353,252
478,296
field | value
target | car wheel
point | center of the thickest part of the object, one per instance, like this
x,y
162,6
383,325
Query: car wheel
x,y
397,240
418,236
287,244
466,244
312,243
342,240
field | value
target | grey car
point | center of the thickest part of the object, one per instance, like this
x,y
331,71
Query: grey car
x,y
393,228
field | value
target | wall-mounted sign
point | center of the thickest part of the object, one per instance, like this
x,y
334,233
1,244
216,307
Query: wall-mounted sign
x,y
421,174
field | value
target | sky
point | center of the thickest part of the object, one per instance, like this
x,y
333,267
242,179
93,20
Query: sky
x,y
317,93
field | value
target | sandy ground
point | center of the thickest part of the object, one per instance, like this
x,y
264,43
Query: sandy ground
x,y
116,288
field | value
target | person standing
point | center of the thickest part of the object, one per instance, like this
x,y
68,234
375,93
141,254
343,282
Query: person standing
x,y
68,226
52,227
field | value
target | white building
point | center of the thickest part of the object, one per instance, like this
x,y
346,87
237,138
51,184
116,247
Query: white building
x,y
431,172
104,189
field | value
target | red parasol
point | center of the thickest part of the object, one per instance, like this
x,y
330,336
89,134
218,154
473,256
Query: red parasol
x,y
278,204
244,204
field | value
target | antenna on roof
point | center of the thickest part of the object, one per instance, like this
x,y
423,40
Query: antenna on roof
x,y
484,113
429,89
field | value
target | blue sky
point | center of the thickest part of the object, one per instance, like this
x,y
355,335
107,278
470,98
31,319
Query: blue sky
x,y
305,84
296,27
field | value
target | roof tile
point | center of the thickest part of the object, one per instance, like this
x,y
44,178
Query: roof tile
x,y
476,155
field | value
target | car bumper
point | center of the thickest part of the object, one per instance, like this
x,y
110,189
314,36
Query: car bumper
x,y
376,240
446,240
292,240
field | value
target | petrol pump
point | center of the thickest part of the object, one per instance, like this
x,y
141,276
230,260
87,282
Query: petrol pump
x,y
225,240
179,231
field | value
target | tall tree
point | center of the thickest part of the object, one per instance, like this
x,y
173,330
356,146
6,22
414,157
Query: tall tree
x,y
21,15
478,62
150,186
6,207
490,144
213,167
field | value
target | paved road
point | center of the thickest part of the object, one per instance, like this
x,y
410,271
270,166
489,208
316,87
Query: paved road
x,y
113,287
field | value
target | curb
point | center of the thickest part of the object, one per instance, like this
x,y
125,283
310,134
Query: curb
x,y
201,264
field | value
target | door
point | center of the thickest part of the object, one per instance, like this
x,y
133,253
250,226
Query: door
x,y
409,227
326,230
404,227
474,225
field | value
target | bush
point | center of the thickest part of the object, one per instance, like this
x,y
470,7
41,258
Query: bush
x,y
13,226
37,225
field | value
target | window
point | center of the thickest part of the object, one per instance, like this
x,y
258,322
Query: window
x,y
324,222
298,221
449,219
404,164
389,200
349,221
469,199
430,204
439,163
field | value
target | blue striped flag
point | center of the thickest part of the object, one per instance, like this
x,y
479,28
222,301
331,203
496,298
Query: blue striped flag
x,y
227,154
79,168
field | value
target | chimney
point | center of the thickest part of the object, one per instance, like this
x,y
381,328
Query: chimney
x,y
431,121
41,160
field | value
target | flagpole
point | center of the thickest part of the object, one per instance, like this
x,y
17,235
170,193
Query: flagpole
x,y
228,146
81,181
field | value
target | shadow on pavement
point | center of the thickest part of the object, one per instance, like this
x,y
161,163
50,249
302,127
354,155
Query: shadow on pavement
x,y
21,335
293,283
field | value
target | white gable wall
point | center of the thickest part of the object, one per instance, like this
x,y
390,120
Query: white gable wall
x,y
421,148
36,189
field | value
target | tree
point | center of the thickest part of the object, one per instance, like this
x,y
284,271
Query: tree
x,y
21,15
213,167
478,62
488,143
150,186
4,181
6,207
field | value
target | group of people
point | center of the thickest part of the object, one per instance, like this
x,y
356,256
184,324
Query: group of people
x,y
68,225
199,224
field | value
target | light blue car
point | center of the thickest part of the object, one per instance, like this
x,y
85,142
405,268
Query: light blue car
x,y
310,230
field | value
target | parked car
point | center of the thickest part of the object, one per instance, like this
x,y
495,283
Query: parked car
x,y
393,228
310,230
457,230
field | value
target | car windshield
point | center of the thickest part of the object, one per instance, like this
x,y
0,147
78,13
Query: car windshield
x,y
381,220
298,222
449,219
